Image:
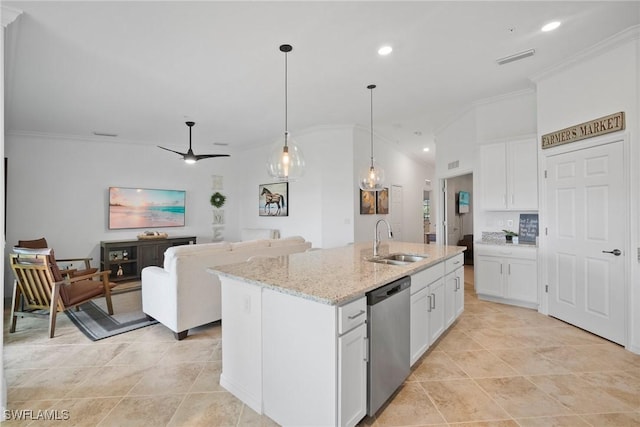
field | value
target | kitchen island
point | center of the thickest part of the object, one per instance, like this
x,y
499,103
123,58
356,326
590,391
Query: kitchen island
x,y
294,341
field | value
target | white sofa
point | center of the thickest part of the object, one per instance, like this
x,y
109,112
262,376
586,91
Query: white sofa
x,y
182,294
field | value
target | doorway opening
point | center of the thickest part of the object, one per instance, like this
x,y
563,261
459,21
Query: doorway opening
x,y
458,213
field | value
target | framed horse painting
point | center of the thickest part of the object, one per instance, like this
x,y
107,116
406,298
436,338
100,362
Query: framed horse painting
x,y
273,199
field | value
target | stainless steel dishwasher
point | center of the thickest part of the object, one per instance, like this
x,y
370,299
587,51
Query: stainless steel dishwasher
x,y
388,331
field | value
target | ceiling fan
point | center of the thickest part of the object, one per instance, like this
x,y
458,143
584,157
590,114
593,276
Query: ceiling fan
x,y
189,157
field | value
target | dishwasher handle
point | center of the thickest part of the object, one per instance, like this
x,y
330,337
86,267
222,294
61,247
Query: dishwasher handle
x,y
394,290
387,291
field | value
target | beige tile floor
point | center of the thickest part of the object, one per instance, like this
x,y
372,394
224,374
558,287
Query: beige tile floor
x,y
497,366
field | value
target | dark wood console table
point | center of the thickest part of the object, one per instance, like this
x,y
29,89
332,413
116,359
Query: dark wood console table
x,y
126,258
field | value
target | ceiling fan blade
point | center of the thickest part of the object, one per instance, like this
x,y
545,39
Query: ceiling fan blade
x,y
173,151
207,156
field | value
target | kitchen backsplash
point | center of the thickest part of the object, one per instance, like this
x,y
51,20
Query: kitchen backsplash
x,y
493,237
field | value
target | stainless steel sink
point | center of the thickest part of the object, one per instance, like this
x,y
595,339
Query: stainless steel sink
x,y
397,259
404,257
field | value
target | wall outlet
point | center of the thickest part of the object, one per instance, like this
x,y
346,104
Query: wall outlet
x,y
510,223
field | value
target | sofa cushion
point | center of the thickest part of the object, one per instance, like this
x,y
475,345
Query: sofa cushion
x,y
250,245
198,249
293,240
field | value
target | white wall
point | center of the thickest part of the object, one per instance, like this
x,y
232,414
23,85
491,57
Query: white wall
x,y
399,170
320,202
57,188
600,84
507,117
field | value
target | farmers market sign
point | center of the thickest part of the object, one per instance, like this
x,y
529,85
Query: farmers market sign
x,y
597,127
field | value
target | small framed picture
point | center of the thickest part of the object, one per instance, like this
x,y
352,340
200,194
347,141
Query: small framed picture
x,y
367,202
273,199
382,202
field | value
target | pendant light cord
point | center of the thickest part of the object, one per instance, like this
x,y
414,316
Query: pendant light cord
x,y
371,87
286,99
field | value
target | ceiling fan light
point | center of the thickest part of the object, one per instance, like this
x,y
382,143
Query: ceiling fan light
x,y
189,160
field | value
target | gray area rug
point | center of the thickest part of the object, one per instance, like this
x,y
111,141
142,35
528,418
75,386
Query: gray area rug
x,y
96,323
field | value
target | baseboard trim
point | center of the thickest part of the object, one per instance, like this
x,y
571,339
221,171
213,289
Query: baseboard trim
x,y
254,402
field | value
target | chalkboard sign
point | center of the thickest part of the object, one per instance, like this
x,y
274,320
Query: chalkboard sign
x,y
528,229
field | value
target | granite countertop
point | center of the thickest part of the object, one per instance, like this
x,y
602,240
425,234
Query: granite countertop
x,y
335,276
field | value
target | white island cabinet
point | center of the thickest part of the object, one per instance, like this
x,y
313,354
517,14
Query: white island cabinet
x,y
276,345
294,328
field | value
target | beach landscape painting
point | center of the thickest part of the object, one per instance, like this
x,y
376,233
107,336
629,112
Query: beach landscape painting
x,y
145,208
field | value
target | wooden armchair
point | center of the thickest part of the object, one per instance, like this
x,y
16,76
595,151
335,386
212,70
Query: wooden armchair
x,y
70,272
39,285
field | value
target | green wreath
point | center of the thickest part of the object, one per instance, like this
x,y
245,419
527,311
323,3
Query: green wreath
x,y
217,200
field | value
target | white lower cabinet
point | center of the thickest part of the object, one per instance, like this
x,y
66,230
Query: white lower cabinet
x,y
437,323
508,274
420,301
437,299
454,289
352,376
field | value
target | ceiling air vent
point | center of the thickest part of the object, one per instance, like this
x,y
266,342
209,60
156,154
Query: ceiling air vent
x,y
516,56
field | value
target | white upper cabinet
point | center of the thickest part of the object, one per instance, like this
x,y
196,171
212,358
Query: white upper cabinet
x,y
509,175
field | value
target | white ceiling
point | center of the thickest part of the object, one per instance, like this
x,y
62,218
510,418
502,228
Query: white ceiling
x,y
140,69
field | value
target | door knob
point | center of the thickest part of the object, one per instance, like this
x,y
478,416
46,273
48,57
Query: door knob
x,y
616,252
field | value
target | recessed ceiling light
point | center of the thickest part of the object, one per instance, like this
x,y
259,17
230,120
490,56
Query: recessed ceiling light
x,y
551,26
385,50
425,149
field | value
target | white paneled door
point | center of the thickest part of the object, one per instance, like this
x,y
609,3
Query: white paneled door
x,y
587,207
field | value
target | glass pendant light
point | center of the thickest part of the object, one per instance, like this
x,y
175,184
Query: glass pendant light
x,y
286,162
371,177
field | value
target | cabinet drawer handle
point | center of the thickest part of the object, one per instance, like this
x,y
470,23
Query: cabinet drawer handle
x,y
429,309
360,313
433,301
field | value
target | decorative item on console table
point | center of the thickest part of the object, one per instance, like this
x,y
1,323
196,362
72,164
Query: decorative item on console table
x,y
150,235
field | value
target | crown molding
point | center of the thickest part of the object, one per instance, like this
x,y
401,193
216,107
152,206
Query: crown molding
x,y
70,137
504,97
9,15
619,39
